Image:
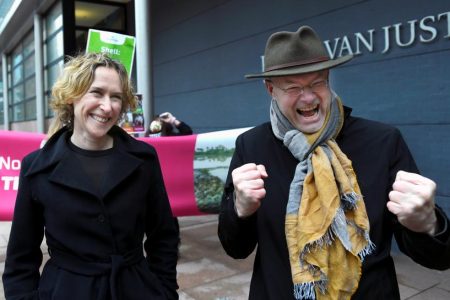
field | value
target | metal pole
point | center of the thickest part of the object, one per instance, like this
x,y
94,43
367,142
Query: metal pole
x,y
5,93
39,66
143,58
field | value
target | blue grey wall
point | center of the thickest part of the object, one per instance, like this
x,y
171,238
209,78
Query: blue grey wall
x,y
203,48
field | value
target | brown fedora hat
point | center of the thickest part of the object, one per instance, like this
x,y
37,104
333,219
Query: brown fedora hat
x,y
292,53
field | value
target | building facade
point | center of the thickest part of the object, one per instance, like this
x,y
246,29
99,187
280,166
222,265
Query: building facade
x,y
399,75
35,38
199,50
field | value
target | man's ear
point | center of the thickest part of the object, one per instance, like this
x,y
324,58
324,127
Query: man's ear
x,y
269,87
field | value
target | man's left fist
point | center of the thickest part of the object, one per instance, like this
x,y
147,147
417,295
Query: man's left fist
x,y
412,201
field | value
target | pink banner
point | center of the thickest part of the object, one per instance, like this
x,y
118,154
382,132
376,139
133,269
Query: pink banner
x,y
194,168
176,155
13,147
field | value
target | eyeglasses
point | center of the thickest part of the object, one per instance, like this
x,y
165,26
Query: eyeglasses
x,y
296,91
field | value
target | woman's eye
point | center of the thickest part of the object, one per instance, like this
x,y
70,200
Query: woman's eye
x,y
96,93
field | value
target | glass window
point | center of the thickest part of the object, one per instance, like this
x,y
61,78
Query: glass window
x,y
99,16
17,55
53,20
28,45
48,109
17,112
17,74
29,66
30,87
18,94
54,48
52,74
53,51
81,37
22,87
30,110
108,17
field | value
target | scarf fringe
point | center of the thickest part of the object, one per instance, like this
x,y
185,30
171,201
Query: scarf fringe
x,y
338,226
368,249
326,240
338,229
349,200
306,290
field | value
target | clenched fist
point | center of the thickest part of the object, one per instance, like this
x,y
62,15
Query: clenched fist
x,y
412,201
249,188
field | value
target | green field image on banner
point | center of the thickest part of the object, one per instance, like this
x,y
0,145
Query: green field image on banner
x,y
118,46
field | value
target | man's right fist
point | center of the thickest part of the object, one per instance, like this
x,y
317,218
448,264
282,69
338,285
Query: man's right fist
x,y
249,188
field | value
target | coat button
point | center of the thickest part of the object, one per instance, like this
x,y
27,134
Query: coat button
x,y
101,218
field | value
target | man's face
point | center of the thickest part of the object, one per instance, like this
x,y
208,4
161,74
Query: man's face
x,y
306,109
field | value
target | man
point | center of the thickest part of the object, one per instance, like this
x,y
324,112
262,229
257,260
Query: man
x,y
321,193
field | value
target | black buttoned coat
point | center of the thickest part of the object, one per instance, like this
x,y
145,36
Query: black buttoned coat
x,y
95,241
377,152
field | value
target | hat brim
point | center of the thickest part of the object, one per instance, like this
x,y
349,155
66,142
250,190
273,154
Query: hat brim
x,y
303,68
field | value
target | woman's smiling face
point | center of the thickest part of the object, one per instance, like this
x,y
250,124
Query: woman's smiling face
x,y
99,109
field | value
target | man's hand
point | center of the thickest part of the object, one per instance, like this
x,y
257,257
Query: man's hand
x,y
249,188
412,201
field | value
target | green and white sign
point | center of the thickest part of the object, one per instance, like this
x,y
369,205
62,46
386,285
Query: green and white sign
x,y
118,46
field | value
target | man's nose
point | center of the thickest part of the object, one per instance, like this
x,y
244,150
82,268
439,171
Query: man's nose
x,y
308,94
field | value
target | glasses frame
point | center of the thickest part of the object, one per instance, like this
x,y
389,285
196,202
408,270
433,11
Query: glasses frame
x,y
296,91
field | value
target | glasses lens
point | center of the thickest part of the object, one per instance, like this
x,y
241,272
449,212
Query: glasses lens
x,y
319,86
315,87
294,91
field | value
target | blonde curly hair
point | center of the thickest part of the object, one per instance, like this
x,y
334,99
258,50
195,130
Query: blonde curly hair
x,y
75,80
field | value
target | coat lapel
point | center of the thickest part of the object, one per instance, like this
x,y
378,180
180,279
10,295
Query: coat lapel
x,y
68,172
76,178
124,165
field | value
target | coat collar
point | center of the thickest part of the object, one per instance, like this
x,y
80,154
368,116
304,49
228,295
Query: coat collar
x,y
56,155
347,112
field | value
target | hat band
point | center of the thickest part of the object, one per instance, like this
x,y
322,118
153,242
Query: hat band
x,y
297,63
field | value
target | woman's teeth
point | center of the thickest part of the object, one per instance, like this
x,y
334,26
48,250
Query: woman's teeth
x,y
100,119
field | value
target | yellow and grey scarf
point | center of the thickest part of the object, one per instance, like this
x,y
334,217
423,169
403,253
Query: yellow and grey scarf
x,y
327,229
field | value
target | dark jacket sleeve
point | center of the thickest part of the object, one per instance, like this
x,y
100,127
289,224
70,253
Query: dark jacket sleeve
x,y
238,236
163,235
184,129
429,251
24,256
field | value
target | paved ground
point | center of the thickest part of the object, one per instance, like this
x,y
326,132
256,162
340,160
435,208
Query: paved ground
x,y
206,273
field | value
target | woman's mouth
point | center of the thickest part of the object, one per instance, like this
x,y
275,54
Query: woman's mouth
x,y
100,119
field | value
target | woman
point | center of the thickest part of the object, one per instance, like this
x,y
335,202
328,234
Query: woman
x,y
95,192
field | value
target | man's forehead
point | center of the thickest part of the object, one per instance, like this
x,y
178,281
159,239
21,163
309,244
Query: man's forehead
x,y
302,77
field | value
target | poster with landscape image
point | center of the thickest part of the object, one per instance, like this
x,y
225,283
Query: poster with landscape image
x,y
213,153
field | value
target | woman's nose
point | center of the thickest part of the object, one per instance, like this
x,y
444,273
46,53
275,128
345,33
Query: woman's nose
x,y
106,104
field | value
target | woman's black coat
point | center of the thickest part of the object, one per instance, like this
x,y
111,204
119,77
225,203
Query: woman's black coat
x,y
95,242
377,152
